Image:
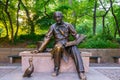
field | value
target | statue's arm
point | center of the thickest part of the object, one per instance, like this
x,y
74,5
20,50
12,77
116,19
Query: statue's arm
x,y
46,40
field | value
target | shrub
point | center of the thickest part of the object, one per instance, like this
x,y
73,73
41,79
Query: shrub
x,y
100,43
31,46
83,29
30,38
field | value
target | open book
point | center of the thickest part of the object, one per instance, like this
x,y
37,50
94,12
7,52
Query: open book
x,y
77,41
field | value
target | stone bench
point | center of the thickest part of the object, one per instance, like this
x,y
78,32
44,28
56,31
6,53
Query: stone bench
x,y
14,58
116,59
43,63
95,59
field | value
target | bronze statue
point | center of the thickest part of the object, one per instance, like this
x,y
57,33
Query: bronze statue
x,y
30,69
63,47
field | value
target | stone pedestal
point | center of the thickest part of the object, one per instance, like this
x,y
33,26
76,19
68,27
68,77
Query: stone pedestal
x,y
43,63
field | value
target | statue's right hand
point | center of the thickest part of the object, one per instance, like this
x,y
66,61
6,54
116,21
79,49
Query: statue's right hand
x,y
34,52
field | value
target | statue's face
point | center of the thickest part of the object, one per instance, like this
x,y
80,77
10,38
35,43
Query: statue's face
x,y
58,17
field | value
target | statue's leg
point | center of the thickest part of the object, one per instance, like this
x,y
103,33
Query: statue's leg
x,y
57,58
78,62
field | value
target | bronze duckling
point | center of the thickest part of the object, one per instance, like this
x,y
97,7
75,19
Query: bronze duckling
x,y
30,69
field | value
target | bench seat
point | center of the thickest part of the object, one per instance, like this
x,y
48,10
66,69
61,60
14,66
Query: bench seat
x,y
116,59
13,58
95,59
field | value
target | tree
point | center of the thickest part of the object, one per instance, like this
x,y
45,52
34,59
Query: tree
x,y
17,23
9,18
115,18
3,18
104,15
94,17
30,22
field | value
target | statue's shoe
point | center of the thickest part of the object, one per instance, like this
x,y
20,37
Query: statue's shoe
x,y
55,73
82,76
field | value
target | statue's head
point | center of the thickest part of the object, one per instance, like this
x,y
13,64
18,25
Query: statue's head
x,y
58,17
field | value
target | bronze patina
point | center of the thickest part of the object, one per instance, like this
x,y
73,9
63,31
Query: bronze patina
x,y
63,47
30,69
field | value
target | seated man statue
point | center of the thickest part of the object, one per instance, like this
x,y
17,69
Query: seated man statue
x,y
63,47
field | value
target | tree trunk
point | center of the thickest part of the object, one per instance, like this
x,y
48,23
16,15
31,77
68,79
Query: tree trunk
x,y
115,33
45,9
30,22
103,23
116,21
94,18
5,24
17,24
103,20
104,15
10,21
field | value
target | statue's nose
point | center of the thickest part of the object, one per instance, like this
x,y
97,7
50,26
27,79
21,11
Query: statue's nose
x,y
57,19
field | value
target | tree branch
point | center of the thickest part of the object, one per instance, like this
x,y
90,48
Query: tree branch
x,y
45,8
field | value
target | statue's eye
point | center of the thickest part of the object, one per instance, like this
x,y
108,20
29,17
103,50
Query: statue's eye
x,y
58,16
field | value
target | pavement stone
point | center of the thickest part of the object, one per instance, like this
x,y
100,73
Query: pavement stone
x,y
105,71
112,72
16,74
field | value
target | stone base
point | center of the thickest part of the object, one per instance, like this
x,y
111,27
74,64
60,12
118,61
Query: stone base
x,y
43,63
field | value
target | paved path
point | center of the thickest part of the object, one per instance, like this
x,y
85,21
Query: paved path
x,y
106,71
15,73
112,72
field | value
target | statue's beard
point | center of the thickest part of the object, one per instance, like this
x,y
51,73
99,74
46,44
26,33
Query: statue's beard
x,y
59,22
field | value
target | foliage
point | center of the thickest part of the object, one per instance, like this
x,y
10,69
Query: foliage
x,y
44,22
99,44
31,39
37,15
117,12
31,46
83,29
1,31
99,41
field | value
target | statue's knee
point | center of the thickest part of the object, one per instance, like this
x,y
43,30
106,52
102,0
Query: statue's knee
x,y
58,46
